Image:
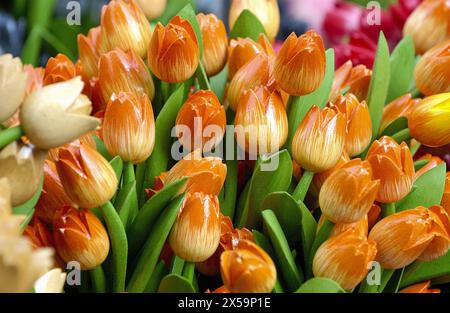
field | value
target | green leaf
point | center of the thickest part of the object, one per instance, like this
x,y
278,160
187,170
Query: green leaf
x,y
428,190
124,201
247,25
202,78
284,259
297,222
174,6
379,84
117,165
402,63
158,274
174,283
188,13
299,106
144,221
267,177
396,126
320,285
227,196
422,271
152,248
219,82
159,160
420,163
101,148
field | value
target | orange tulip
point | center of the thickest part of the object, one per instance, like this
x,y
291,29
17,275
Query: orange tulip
x,y
300,64
320,178
429,24
361,227
35,78
59,69
440,230
423,287
345,258
348,194
445,202
120,71
267,12
373,215
201,121
80,236
243,50
215,43
261,122
400,107
173,54
222,289
405,236
433,161
196,232
432,72
53,196
355,79
359,123
39,234
88,179
90,49
205,175
393,165
124,26
319,141
256,72
429,121
248,268
129,127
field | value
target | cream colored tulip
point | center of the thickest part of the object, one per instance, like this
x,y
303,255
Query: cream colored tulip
x,y
152,8
51,282
57,114
13,84
5,197
23,167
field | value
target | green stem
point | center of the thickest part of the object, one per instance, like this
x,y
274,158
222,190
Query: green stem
x,y
128,173
10,135
403,135
386,275
140,176
303,186
203,78
98,279
177,265
415,148
119,246
189,271
389,209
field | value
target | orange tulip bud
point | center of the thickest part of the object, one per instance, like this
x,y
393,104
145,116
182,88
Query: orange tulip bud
x,y
256,72
267,12
359,123
88,179
261,122
429,121
124,26
429,24
59,69
120,71
345,258
355,79
196,232
393,165
205,175
243,50
433,161
320,178
423,287
222,289
129,127
39,235
319,141
373,215
80,236
440,230
89,49
53,196
348,194
173,54
432,72
35,78
215,43
201,121
361,227
405,236
445,202
247,269
300,64
400,107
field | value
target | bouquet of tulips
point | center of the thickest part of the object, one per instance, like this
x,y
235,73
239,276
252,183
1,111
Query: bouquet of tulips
x,y
180,158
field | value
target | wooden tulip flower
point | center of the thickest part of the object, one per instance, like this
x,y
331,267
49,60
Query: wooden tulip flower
x,y
393,165
80,236
196,233
13,83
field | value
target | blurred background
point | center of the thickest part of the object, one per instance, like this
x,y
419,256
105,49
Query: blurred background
x,y
38,29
